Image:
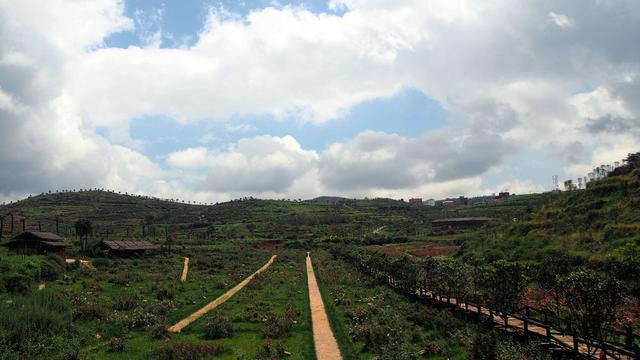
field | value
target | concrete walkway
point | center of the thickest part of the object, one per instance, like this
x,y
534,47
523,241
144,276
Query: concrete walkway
x,y
323,339
224,297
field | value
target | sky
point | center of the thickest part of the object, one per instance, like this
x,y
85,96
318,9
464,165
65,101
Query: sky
x,y
208,101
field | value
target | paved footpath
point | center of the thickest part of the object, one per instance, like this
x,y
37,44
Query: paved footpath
x,y
215,303
323,339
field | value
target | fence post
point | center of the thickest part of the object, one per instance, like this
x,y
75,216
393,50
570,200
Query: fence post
x,y
630,342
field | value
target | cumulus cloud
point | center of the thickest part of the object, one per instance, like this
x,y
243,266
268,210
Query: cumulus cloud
x,y
252,165
44,141
509,75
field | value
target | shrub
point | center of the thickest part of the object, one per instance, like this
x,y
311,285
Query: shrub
x,y
217,327
101,263
117,344
141,318
90,311
161,332
189,351
166,294
51,270
270,352
58,260
483,347
127,303
16,283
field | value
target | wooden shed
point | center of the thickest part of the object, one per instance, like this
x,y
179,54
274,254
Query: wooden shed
x,y
124,248
37,242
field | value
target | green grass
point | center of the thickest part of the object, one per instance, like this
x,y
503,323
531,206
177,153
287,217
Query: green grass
x,y
280,288
347,292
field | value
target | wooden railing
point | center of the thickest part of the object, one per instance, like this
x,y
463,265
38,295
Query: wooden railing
x,y
528,321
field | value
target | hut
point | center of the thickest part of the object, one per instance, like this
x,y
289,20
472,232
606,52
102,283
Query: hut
x,y
124,248
37,242
460,223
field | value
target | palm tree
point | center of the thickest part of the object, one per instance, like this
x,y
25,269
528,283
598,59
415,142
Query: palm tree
x,y
84,228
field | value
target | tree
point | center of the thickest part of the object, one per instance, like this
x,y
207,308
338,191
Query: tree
x,y
84,228
592,300
503,284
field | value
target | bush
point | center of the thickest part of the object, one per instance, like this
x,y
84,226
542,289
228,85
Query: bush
x,y
160,332
270,352
483,347
189,351
127,303
141,318
101,263
16,283
166,294
117,344
217,327
51,270
90,311
58,260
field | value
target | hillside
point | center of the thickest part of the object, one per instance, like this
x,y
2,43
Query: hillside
x,y
592,223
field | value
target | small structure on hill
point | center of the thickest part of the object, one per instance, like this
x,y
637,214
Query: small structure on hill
x,y
37,242
124,248
460,223
415,201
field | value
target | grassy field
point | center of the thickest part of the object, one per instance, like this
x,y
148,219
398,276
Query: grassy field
x,y
121,308
371,320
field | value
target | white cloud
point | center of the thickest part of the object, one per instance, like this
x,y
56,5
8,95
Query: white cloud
x,y
505,76
252,165
562,21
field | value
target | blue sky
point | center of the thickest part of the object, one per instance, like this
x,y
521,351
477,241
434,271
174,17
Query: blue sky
x,y
214,100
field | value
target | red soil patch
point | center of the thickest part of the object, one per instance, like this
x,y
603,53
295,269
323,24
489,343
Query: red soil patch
x,y
418,249
268,244
436,250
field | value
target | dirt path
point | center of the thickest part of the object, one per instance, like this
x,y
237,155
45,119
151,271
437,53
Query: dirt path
x,y
323,339
185,270
224,297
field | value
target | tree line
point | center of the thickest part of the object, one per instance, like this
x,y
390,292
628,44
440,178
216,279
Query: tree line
x,y
587,302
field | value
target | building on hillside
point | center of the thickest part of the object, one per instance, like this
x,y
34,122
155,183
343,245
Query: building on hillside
x,y
415,201
460,223
502,195
448,202
124,248
36,242
430,202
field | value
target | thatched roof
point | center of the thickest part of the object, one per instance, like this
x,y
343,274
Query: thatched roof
x,y
128,245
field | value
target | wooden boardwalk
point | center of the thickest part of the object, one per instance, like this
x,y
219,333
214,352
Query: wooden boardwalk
x,y
323,339
224,297
527,326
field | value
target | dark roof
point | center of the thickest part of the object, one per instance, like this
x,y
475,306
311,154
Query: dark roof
x,y
462,219
129,245
39,235
55,243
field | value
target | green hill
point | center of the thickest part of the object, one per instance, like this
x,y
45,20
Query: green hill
x,y
601,220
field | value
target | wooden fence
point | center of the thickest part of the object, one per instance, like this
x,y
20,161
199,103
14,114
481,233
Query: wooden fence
x,y
553,331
